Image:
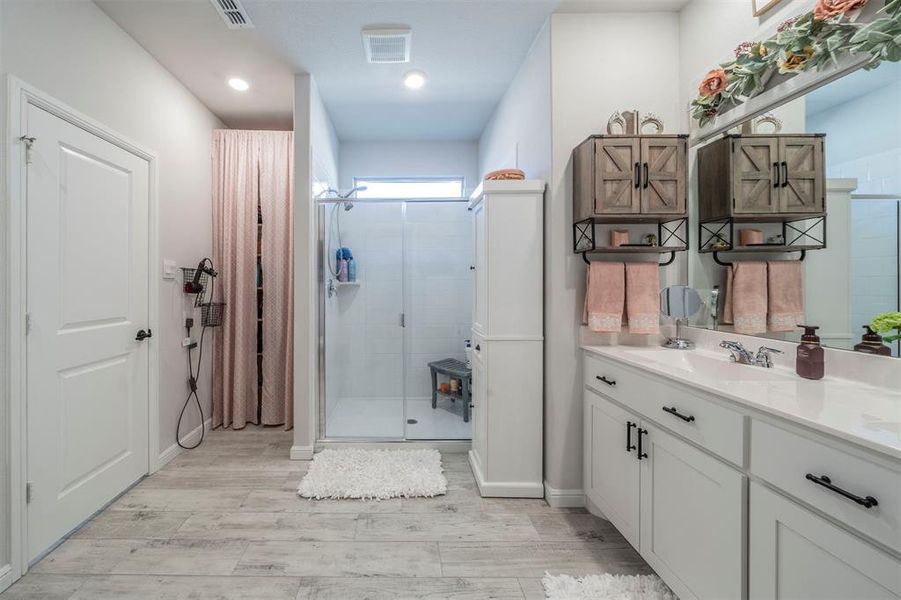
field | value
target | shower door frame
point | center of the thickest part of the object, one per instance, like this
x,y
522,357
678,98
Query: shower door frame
x,y
322,205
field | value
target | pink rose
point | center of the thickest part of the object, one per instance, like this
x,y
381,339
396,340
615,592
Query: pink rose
x,y
714,83
826,9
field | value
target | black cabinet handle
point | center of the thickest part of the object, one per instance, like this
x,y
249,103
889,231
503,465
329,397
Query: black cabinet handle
x,y
784,174
673,411
637,175
647,175
143,335
826,482
472,267
641,452
478,348
610,382
629,446
776,175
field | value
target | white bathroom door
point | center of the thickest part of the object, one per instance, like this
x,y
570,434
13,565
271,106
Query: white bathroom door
x,y
87,297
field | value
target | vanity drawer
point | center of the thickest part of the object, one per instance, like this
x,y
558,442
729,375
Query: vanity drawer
x,y
711,426
610,379
785,459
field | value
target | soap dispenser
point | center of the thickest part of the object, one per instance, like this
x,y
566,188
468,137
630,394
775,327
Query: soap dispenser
x,y
810,363
871,343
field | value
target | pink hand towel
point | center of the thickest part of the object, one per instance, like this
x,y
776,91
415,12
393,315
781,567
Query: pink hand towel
x,y
785,295
604,297
643,297
746,297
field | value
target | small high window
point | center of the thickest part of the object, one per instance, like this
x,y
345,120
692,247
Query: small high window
x,y
412,188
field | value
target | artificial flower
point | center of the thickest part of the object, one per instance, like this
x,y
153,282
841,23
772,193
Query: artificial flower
x,y
827,9
885,322
713,84
793,62
744,49
786,24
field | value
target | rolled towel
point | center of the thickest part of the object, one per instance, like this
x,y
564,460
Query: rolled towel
x,y
643,297
505,174
785,295
604,297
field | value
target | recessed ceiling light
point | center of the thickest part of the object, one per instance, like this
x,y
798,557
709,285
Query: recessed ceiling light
x,y
414,80
236,83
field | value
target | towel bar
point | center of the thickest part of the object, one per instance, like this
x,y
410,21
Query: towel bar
x,y
726,263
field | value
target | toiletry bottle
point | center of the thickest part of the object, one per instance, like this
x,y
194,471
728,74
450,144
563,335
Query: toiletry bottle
x,y
810,363
342,270
351,270
871,343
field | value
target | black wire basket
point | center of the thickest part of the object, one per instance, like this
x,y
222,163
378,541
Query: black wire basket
x,y
188,277
212,313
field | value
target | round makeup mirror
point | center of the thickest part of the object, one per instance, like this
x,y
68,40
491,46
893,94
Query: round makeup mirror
x,y
679,302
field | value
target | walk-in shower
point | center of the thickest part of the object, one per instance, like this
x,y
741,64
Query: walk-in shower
x,y
407,303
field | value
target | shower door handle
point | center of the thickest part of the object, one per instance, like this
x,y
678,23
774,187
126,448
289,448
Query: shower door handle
x,y
403,320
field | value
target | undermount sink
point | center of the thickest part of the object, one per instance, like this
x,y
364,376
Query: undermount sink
x,y
703,364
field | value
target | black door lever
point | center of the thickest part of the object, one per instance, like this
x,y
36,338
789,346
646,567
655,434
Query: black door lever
x,y
143,335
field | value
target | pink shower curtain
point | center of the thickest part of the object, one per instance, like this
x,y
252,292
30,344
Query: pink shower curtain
x,y
251,169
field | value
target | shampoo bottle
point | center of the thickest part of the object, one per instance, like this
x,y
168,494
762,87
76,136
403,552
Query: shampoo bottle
x,y
810,363
871,343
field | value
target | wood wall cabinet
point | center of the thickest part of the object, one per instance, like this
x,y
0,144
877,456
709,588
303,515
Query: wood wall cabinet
x,y
630,178
764,176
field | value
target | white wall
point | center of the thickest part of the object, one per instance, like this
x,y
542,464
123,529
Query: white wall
x,y
75,53
519,132
316,150
599,64
409,159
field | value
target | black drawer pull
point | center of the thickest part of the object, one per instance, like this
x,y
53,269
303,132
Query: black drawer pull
x,y
629,446
637,175
610,382
673,411
784,174
823,480
775,174
641,452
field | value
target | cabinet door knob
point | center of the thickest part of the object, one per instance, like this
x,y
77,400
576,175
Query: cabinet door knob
x,y
478,348
826,482
610,382
472,267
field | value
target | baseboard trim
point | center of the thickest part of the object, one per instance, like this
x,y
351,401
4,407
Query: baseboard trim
x,y
449,446
301,453
564,498
190,438
506,489
6,577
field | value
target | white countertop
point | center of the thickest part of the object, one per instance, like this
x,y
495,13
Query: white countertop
x,y
865,415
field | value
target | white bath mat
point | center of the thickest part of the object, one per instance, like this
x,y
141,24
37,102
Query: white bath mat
x,y
606,587
374,474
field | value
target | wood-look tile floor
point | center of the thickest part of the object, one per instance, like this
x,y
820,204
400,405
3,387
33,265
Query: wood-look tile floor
x,y
224,522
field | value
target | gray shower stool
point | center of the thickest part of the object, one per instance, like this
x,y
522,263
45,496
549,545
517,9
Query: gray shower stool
x,y
452,368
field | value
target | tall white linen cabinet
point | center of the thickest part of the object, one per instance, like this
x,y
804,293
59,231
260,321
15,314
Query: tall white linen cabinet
x,y
507,338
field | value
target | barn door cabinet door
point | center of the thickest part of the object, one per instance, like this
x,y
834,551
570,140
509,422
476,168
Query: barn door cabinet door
x,y
756,168
617,185
802,178
663,178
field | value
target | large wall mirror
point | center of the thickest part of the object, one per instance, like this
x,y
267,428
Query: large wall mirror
x,y
798,212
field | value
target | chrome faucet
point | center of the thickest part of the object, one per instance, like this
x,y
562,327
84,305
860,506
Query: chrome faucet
x,y
743,356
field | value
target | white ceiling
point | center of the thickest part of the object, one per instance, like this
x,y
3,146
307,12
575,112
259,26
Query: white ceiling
x,y
470,49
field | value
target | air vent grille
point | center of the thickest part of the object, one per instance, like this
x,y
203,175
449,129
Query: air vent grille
x,y
387,45
233,13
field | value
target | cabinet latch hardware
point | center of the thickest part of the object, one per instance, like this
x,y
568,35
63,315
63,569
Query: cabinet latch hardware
x,y
673,411
29,486
641,452
629,445
610,382
29,142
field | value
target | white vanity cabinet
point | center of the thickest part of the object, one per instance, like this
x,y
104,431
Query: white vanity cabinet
x,y
507,338
716,496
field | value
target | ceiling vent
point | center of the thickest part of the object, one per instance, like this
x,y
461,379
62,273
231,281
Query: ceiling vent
x,y
387,45
233,13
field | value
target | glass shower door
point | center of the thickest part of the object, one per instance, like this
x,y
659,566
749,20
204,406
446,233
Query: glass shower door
x,y
438,282
363,323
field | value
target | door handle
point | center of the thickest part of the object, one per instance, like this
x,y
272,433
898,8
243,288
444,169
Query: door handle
x,y
610,382
647,175
641,452
629,445
784,174
143,335
826,482
673,411
637,175
776,175
478,348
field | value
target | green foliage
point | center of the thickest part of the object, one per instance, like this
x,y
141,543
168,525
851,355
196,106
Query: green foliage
x,y
802,44
886,322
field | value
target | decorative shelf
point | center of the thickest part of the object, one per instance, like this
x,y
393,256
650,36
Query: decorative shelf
x,y
341,284
669,229
795,230
764,248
